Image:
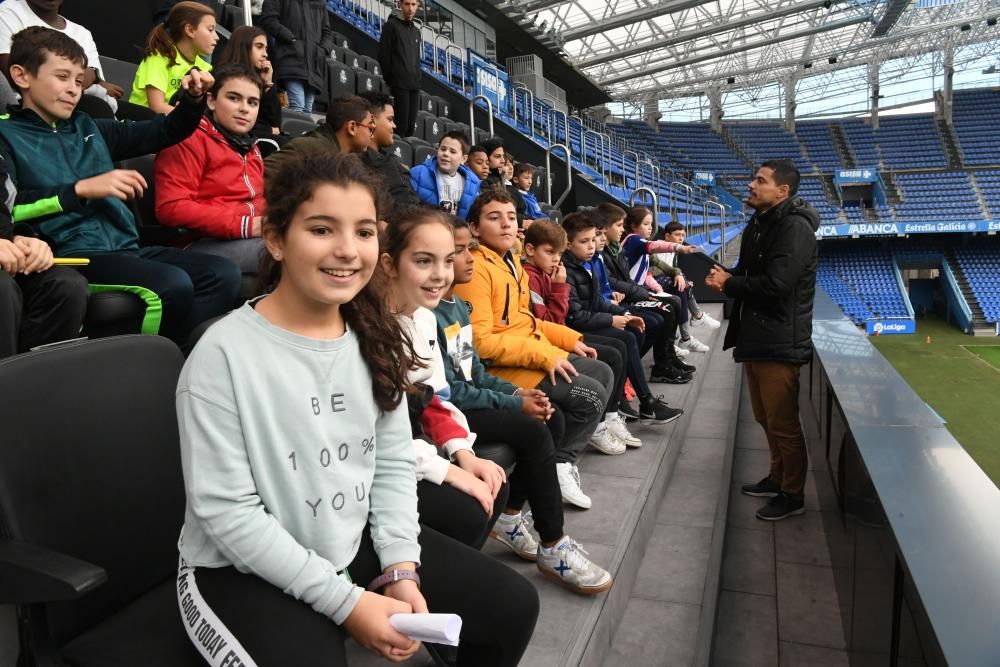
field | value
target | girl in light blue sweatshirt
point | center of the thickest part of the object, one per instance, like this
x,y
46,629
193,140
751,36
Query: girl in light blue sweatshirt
x,y
301,520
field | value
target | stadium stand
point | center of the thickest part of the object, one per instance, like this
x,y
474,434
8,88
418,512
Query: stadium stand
x,y
861,278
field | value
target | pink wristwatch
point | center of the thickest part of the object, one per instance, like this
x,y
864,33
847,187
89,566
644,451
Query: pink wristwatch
x,y
391,577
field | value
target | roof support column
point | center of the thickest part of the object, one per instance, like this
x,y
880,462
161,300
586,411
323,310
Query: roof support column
x,y
873,86
789,87
715,112
651,114
947,88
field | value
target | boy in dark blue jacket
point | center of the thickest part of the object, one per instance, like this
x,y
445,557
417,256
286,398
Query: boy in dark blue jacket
x,y
71,194
445,180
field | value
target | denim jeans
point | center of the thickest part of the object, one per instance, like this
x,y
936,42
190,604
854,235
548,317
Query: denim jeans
x,y
300,96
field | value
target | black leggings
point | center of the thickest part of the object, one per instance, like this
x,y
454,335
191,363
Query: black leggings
x,y
633,342
457,514
534,478
262,623
615,354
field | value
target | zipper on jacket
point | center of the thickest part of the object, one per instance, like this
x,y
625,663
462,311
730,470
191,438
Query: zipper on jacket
x,y
253,193
505,320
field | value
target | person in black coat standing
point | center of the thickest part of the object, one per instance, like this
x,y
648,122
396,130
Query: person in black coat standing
x,y
303,40
399,58
771,327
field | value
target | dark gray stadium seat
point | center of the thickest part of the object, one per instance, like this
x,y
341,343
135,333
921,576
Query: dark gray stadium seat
x,y
428,104
297,126
119,72
350,58
340,80
144,208
364,81
538,182
402,150
341,40
371,65
443,107
429,128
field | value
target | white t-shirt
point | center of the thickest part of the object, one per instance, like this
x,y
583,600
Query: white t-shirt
x,y
16,15
450,188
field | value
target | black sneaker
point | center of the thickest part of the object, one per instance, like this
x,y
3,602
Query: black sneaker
x,y
628,413
653,410
669,375
781,507
681,366
765,488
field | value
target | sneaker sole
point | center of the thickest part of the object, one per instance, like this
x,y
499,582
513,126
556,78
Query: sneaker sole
x,y
577,589
606,452
576,504
759,494
654,420
666,380
801,510
533,558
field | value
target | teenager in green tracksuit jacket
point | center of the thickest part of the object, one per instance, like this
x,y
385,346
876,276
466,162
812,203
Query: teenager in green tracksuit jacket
x,y
70,193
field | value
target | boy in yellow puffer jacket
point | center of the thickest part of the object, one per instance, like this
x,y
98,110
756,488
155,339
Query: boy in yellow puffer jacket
x,y
526,351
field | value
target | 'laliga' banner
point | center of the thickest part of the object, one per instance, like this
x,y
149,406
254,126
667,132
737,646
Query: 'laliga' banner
x,y
893,228
891,327
864,175
491,81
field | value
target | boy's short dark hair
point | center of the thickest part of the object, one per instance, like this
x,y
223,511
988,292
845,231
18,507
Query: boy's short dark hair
x,y
609,212
458,136
345,109
456,222
784,173
523,168
30,47
545,231
224,73
673,227
491,145
579,222
477,149
485,196
376,100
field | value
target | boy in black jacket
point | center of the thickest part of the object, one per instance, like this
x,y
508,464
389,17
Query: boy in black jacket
x,y
591,313
660,318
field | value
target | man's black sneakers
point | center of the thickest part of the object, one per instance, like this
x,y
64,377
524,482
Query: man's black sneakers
x,y
781,507
765,488
669,375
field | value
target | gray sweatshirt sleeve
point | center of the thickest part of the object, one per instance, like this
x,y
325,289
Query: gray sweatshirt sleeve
x,y
222,497
392,513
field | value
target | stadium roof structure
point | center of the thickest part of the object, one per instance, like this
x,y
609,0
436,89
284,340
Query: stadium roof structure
x,y
641,50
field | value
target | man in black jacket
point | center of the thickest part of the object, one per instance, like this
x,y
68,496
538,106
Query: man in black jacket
x,y
382,163
399,58
771,327
303,40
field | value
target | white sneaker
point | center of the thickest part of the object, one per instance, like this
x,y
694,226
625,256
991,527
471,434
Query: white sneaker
x,y
681,352
605,441
694,345
706,321
569,486
620,431
567,563
517,534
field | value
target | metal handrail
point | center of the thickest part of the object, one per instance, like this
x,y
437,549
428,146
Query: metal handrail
x,y
548,173
597,147
530,104
606,161
472,115
652,193
626,153
247,14
437,51
673,201
553,135
655,171
461,62
722,220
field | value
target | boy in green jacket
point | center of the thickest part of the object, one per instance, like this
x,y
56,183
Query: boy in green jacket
x,y
70,193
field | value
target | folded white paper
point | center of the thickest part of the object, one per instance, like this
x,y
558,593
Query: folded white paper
x,y
433,628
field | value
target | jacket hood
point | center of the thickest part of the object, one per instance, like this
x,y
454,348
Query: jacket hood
x,y
795,206
396,14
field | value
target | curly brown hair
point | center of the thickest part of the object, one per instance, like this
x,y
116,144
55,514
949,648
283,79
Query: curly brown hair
x,y
385,346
